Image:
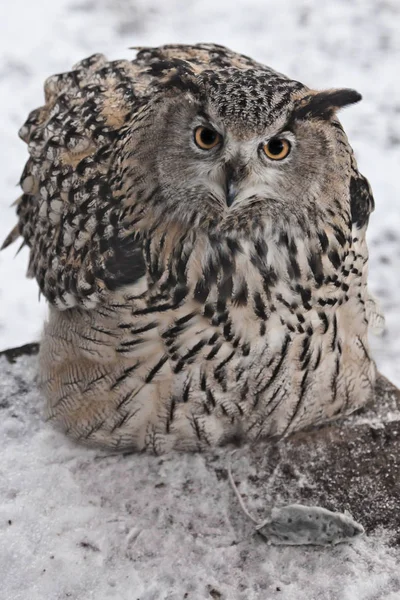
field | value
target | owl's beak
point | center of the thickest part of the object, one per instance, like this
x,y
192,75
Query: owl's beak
x,y
231,191
231,181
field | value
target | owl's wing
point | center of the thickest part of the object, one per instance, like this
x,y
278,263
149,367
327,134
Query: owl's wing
x,y
70,210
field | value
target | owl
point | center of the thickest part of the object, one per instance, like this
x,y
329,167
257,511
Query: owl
x,y
196,222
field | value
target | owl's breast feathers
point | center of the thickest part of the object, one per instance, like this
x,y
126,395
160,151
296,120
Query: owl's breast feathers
x,y
225,337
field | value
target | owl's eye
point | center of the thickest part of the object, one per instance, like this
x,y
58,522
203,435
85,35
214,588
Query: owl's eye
x,y
206,138
277,148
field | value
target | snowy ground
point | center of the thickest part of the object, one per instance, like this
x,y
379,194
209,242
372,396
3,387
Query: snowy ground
x,y
325,44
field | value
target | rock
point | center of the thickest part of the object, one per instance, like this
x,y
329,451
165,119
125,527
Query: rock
x,y
351,464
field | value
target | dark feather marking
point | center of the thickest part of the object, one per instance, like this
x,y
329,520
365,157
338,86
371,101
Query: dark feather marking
x,y
240,409
88,338
213,338
265,417
209,310
153,309
125,264
93,430
179,294
195,425
124,400
92,381
206,409
240,296
339,235
225,361
194,350
367,356
259,306
277,368
293,268
143,329
239,373
170,416
124,375
201,291
203,382
186,392
105,331
246,349
178,325
334,379
227,331
305,349
303,387
305,294
306,361
269,279
122,422
318,359
324,320
244,392
214,351
225,289
323,240
154,370
126,346
210,397
334,333
361,201
282,300
315,263
334,258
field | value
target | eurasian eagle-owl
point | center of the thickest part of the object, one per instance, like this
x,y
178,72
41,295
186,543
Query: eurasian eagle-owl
x,y
197,224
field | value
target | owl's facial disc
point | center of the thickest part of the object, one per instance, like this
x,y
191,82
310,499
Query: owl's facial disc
x,y
234,173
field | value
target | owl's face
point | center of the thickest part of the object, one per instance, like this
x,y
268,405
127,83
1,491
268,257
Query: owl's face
x,y
228,155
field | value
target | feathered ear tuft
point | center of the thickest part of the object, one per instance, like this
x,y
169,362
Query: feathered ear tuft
x,y
324,104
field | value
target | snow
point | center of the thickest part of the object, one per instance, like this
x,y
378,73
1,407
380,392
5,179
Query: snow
x,y
67,502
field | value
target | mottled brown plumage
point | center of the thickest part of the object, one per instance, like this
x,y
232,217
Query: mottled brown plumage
x,y
195,295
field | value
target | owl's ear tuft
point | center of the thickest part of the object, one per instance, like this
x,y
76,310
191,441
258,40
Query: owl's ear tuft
x,y
323,105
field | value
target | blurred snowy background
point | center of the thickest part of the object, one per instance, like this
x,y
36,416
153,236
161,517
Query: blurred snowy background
x,y
346,43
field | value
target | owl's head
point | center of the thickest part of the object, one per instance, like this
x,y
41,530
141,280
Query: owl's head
x,y
230,149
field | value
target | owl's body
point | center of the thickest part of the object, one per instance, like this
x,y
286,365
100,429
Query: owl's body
x,y
196,294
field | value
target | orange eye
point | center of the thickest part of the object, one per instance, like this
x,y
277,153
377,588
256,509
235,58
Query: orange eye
x,y
206,138
277,148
